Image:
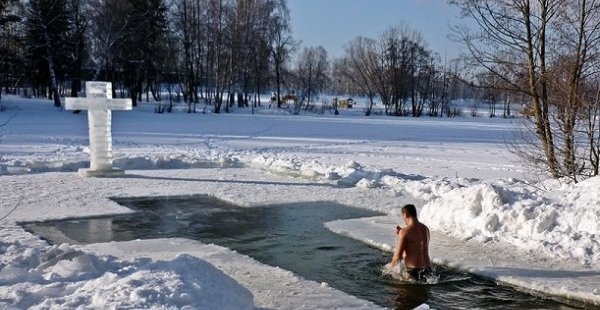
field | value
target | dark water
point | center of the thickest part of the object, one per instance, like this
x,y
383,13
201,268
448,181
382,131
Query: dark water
x,y
293,237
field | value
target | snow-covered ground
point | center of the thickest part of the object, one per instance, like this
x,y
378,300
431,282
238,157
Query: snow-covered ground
x,y
469,188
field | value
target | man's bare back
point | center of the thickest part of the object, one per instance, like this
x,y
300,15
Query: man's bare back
x,y
416,246
412,244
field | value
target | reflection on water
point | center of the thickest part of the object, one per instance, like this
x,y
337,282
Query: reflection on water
x,y
101,228
293,237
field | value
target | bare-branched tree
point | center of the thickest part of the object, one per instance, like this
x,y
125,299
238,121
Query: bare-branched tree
x,y
311,75
358,66
282,47
47,24
11,47
545,50
396,67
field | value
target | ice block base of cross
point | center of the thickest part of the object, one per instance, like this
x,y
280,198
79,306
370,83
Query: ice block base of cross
x,y
101,173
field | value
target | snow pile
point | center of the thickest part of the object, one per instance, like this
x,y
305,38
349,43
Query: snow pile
x,y
353,174
34,275
564,222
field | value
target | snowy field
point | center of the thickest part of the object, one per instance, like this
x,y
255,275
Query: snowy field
x,y
489,214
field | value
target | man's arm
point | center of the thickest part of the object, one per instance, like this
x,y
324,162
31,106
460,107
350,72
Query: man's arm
x,y
400,245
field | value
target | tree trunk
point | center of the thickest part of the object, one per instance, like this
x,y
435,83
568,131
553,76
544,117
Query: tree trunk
x,y
540,100
53,81
278,84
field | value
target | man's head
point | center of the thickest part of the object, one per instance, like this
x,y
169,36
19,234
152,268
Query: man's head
x,y
409,212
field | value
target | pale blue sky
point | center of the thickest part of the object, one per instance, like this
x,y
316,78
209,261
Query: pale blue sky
x,y
334,23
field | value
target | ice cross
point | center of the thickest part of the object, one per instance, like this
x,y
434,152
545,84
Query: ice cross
x,y
99,103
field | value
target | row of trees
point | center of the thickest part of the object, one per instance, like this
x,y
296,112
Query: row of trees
x,y
227,47
208,48
400,71
396,69
546,51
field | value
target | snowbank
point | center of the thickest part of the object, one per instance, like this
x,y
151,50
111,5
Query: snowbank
x,y
563,222
34,275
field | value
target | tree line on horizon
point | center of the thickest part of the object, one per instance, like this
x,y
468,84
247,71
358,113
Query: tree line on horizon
x,y
205,47
211,51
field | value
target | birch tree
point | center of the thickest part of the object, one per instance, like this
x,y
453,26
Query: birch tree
x,y
108,27
552,45
47,23
283,45
77,40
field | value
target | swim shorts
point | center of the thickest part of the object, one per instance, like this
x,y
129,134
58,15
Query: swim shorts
x,y
418,274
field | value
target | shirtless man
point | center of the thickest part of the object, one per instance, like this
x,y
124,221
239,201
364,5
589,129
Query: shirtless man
x,y
413,245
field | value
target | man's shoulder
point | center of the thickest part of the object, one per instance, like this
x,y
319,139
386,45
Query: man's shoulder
x,y
423,226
